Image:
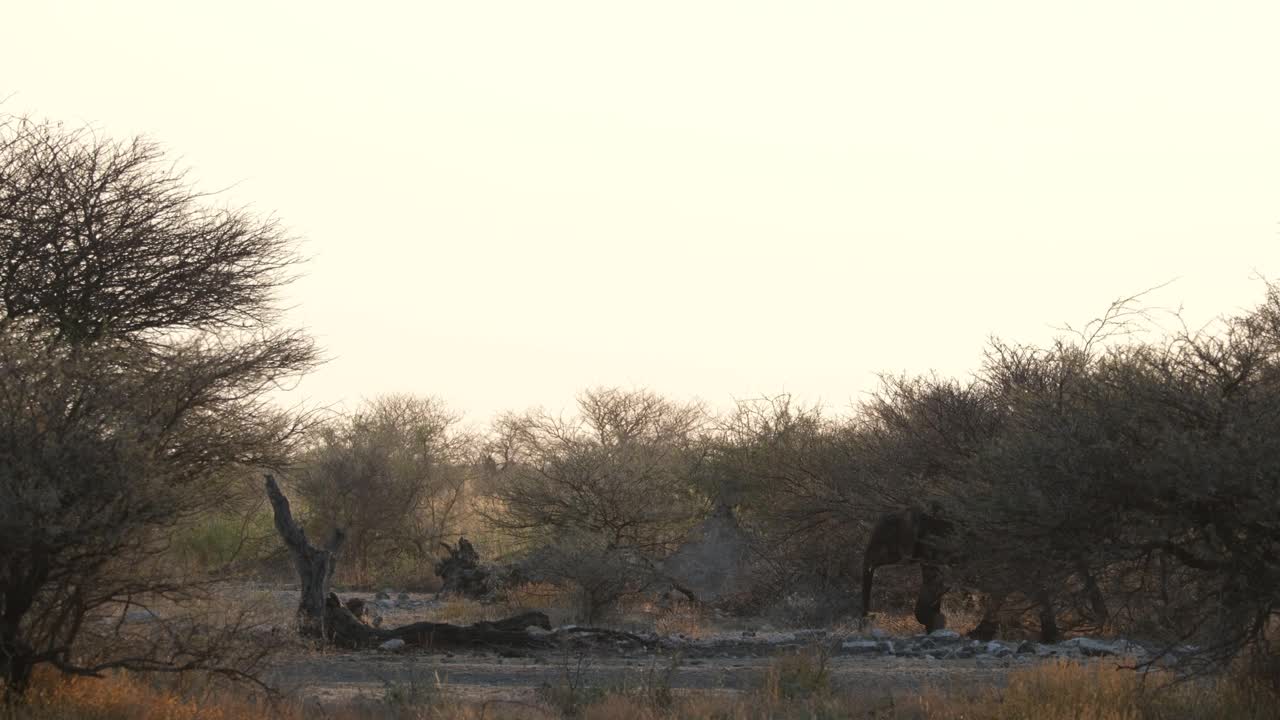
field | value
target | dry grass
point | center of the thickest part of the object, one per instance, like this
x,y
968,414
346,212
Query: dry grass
x,y
899,624
125,697
542,597
683,618
796,687
463,611
1099,691
798,676
547,597
128,697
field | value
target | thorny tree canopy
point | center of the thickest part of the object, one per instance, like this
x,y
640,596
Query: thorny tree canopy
x,y
136,349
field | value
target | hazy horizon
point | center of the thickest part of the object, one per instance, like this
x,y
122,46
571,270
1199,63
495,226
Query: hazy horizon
x,y
506,203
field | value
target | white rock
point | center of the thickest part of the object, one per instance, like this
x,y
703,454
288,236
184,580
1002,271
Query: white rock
x,y
861,646
1095,648
392,645
944,634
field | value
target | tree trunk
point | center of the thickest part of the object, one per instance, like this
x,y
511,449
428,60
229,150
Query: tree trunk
x,y
1097,602
346,630
15,662
322,614
315,565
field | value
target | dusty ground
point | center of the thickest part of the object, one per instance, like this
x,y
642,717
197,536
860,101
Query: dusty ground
x,y
706,657
334,677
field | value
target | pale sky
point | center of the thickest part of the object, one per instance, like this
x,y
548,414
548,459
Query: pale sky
x,y
505,203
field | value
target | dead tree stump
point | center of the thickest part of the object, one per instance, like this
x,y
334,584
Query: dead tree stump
x,y
322,614
315,565
462,573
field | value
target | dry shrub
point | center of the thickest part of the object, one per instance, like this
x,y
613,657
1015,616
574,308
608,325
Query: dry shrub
x,y
542,596
621,707
554,600
800,675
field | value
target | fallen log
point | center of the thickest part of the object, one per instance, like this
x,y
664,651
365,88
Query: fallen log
x,y
349,632
336,624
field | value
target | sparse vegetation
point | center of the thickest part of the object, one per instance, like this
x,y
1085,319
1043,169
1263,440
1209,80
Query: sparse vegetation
x,y
1052,691
801,675
600,498
394,477
1122,479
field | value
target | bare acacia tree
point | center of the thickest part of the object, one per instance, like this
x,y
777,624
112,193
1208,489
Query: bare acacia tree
x,y
617,480
137,345
1143,476
620,469
393,476
790,470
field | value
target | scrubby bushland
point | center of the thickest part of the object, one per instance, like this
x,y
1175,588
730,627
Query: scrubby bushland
x,y
792,474
394,477
138,341
234,538
614,487
1143,479
1129,482
1125,476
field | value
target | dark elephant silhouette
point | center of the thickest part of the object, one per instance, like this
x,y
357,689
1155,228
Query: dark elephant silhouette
x,y
925,536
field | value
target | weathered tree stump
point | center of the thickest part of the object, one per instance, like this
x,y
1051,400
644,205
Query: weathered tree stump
x,y
315,565
322,613
462,572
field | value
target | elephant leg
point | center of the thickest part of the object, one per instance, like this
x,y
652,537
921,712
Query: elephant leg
x,y
989,626
1097,602
1049,632
929,603
868,575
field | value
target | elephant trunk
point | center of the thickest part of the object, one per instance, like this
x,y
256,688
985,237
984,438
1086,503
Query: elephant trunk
x,y
868,575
